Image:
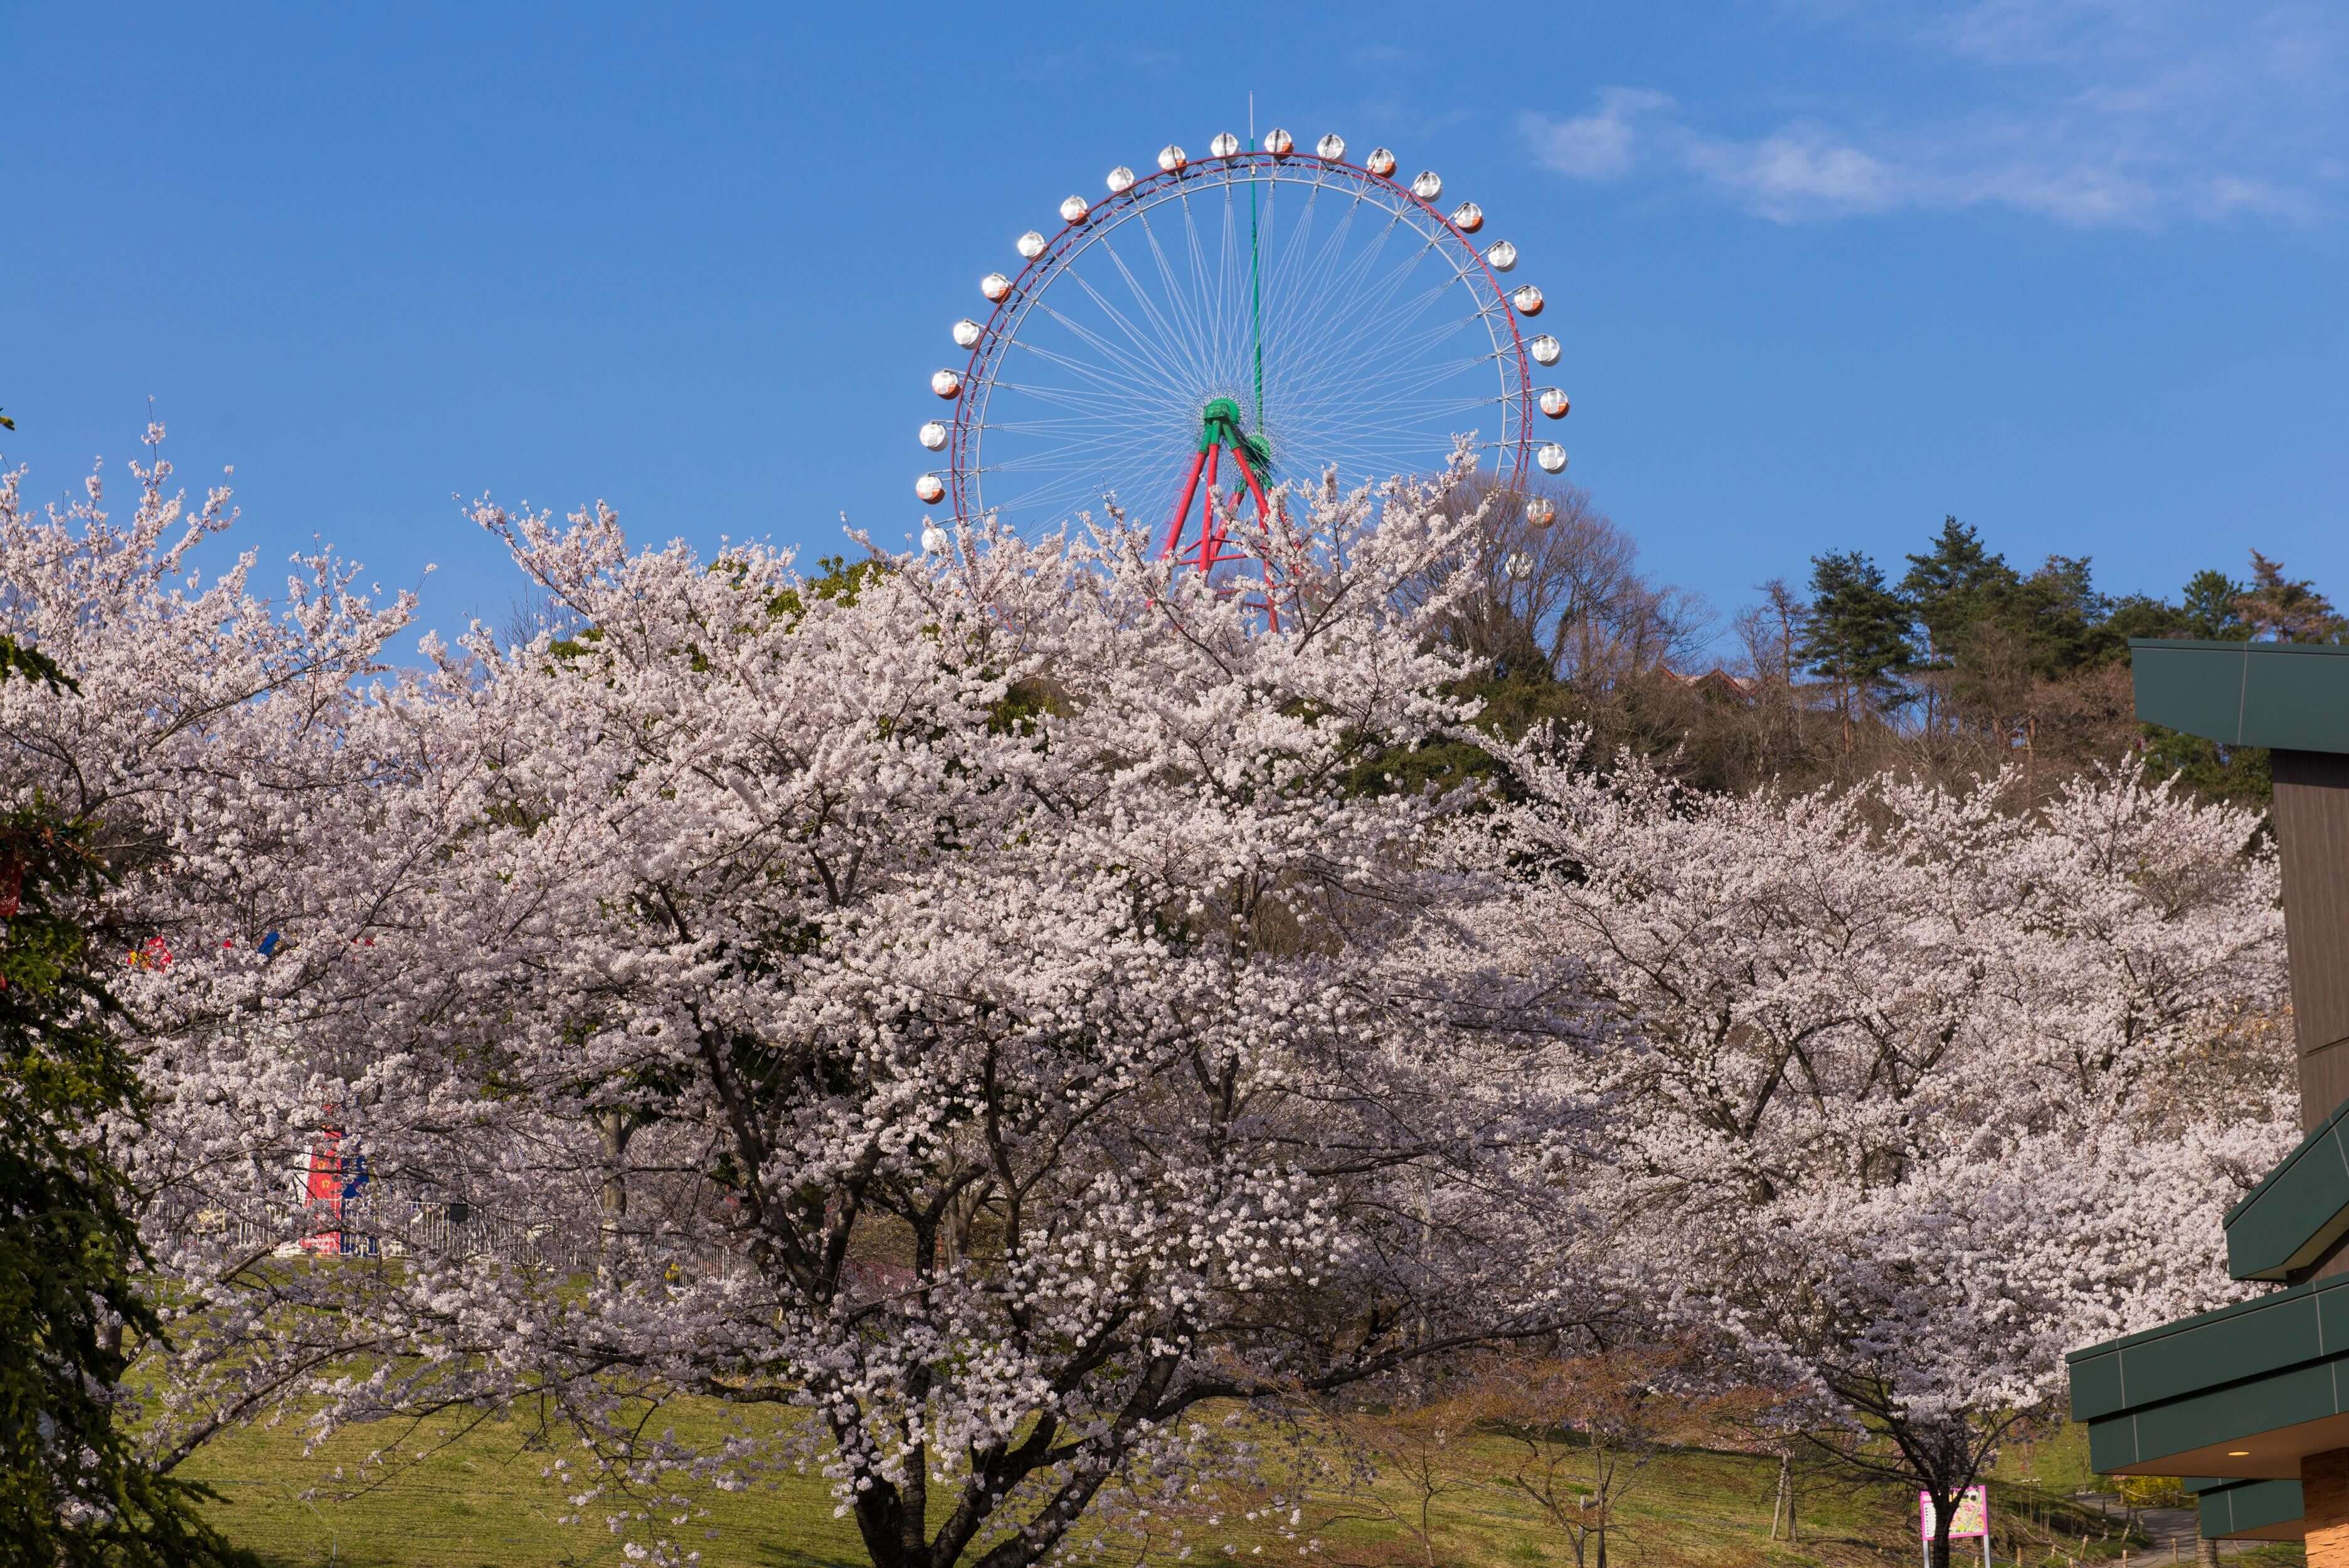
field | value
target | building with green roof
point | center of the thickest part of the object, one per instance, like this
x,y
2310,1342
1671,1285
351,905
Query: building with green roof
x,y
2251,1403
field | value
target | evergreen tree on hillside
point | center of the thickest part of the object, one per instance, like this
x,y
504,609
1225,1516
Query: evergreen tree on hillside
x,y
2143,615
1856,636
2062,619
2209,608
1955,583
2287,610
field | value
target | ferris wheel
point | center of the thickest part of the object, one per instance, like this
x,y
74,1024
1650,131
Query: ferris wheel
x,y
1211,330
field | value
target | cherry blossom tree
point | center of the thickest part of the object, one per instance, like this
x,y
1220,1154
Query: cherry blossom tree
x,y
263,809
996,982
1894,1101
972,1017
74,1488
967,1009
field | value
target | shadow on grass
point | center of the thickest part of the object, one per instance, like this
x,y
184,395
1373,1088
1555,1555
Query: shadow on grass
x,y
779,1554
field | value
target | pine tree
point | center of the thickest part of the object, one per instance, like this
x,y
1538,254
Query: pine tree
x,y
2061,618
1857,634
2207,609
1954,585
2286,609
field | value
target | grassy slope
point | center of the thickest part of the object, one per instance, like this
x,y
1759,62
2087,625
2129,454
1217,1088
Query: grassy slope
x,y
485,1501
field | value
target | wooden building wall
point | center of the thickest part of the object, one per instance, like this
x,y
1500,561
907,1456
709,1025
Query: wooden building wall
x,y
2312,819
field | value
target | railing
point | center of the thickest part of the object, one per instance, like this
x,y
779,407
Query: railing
x,y
363,1225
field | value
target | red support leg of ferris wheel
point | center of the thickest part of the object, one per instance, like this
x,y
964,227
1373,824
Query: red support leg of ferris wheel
x,y
1183,508
1220,431
1263,512
1211,533
1263,527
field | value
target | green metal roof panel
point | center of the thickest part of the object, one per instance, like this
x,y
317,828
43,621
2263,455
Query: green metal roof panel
x,y
2242,1370
2317,1136
2246,1340
2304,1393
2317,1287
2333,1319
2097,1387
2238,1508
2298,1209
2292,696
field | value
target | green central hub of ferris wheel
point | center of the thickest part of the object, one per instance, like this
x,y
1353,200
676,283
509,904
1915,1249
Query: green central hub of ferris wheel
x,y
1219,425
1220,433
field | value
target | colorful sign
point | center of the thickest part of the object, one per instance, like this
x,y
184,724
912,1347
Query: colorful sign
x,y
1972,1516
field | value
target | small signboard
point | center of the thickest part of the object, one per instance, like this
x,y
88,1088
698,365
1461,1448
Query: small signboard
x,y
1970,1518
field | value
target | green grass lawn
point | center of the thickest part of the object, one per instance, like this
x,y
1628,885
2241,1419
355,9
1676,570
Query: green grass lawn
x,y
483,1501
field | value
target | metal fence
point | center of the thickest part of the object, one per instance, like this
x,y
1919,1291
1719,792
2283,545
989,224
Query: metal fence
x,y
366,1225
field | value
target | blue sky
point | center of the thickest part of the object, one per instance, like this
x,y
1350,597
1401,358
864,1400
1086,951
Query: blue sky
x,y
2072,270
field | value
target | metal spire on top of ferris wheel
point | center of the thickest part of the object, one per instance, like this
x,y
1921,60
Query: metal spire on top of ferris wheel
x,y
1115,366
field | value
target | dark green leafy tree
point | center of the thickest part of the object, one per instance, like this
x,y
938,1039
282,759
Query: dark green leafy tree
x,y
1955,583
2061,620
2054,619
2209,609
74,1492
2143,615
1857,637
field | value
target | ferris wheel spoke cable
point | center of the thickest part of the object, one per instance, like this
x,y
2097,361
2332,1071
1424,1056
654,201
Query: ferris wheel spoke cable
x,y
1434,392
1211,308
1193,331
1304,346
1100,370
1116,438
1226,313
1317,358
1438,336
1068,433
1192,263
1168,334
1374,304
1075,428
1370,435
1395,326
1069,463
1141,390
1372,377
1166,344
1088,404
1424,414
1325,262
1072,379
1077,493
1365,434
1315,248
1349,282
1166,369
1146,375
1283,279
1112,407
1103,456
